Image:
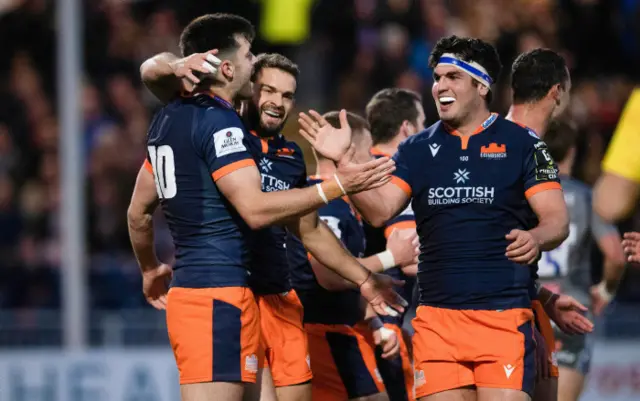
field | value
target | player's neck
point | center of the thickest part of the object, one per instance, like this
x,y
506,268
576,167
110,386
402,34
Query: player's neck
x,y
223,93
532,115
325,168
391,147
471,126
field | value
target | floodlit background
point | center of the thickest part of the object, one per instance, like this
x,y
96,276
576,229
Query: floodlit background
x,y
116,346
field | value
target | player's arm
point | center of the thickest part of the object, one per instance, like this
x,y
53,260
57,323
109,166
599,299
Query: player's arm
x,y
140,219
243,188
610,243
544,194
375,205
166,74
617,191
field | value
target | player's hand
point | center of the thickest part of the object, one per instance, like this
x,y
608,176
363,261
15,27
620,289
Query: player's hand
x,y
387,340
542,361
155,285
600,297
195,67
327,140
568,314
524,248
378,290
410,270
405,246
631,246
362,177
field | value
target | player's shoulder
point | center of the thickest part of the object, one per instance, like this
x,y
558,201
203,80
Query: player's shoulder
x,y
515,131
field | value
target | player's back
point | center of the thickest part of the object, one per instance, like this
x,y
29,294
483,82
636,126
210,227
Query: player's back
x,y
191,143
568,267
468,194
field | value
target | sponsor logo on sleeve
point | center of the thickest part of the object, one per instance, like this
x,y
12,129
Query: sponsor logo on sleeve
x,y
229,141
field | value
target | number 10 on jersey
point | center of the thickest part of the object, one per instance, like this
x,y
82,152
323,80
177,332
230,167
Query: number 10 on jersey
x,y
164,170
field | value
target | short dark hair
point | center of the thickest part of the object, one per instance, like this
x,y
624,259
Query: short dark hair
x,y
561,136
388,109
215,31
356,122
534,73
469,49
274,60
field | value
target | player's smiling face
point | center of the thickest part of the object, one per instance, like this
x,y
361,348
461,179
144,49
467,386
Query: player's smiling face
x,y
454,93
273,99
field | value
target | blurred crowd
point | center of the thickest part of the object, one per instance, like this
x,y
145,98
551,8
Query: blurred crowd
x,y
347,50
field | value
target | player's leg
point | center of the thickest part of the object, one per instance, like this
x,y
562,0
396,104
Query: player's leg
x,y
343,363
287,350
574,360
397,373
546,387
438,374
214,333
504,351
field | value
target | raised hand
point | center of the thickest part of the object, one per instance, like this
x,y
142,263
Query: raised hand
x,y
404,246
328,141
631,246
378,290
191,69
155,285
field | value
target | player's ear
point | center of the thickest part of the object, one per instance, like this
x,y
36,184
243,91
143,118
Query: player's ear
x,y
483,90
556,94
227,69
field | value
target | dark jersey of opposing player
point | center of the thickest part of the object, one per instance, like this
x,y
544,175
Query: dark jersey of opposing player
x,y
191,143
468,193
282,167
320,305
377,242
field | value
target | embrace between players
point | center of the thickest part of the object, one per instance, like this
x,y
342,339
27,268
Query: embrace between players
x,y
482,193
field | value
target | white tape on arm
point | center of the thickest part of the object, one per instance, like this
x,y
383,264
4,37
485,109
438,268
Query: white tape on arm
x,y
604,293
387,260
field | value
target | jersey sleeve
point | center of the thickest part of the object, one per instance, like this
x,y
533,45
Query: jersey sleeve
x,y
223,143
540,170
623,155
405,220
401,177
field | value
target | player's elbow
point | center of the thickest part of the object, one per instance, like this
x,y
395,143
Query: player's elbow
x,y
256,220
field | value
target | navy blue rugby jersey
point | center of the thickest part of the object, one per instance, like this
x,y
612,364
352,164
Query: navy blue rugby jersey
x,y
468,193
377,242
320,305
281,165
191,143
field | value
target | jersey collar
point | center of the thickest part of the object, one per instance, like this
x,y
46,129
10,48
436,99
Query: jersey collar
x,y
481,128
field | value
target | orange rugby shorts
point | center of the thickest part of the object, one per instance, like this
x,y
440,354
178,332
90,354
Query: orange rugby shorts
x,y
214,333
485,348
543,323
343,360
283,339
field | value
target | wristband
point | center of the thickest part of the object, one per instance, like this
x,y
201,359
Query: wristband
x,y
604,293
375,323
322,195
385,333
335,176
387,260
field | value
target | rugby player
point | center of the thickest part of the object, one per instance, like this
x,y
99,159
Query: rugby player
x,y
341,345
617,192
472,202
568,267
212,316
395,114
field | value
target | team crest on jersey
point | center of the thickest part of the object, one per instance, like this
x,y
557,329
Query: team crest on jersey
x,y
265,165
493,151
228,141
285,152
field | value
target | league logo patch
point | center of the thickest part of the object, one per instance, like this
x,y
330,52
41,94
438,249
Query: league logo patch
x,y
228,141
493,151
